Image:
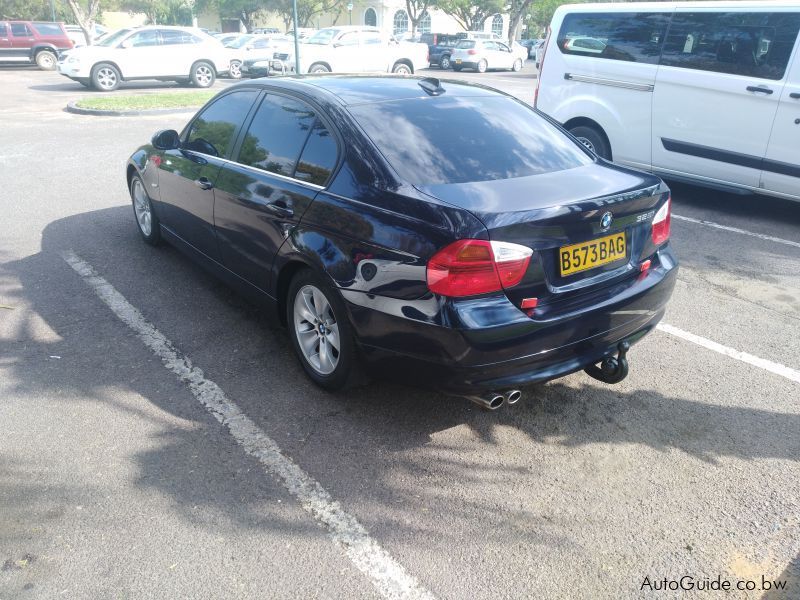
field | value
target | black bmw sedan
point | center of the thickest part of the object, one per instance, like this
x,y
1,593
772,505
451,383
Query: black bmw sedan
x,y
442,232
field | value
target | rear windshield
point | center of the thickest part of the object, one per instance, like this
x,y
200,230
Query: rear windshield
x,y
465,44
48,29
432,141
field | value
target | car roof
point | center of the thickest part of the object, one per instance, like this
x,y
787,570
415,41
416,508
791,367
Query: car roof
x,y
351,90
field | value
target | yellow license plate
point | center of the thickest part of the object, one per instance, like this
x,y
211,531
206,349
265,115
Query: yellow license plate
x,y
591,254
458,61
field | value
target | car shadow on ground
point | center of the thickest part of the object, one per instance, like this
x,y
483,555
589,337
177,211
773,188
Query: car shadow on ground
x,y
362,436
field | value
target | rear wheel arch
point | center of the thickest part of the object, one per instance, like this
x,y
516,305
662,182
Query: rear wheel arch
x,y
287,273
586,122
400,63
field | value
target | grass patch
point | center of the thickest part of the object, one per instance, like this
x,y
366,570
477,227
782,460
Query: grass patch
x,y
147,101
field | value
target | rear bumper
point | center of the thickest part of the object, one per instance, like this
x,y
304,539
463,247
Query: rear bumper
x,y
490,345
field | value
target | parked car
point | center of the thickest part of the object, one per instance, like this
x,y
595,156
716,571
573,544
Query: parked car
x,y
539,53
530,46
303,33
704,93
445,232
482,55
266,30
33,42
258,54
440,47
157,52
78,37
226,38
356,49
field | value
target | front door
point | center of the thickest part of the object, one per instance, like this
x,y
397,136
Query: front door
x,y
781,168
263,195
187,176
716,93
141,55
21,41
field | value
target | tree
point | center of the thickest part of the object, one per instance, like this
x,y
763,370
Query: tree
x,y
245,10
516,9
33,10
471,14
85,15
416,9
166,12
307,11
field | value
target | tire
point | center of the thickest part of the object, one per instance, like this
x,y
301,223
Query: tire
x,y
146,219
482,66
46,60
235,71
444,63
203,74
105,77
593,139
517,66
317,321
402,69
318,68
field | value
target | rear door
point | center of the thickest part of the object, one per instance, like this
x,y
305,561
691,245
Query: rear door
x,y
717,93
187,176
179,51
781,169
374,51
282,162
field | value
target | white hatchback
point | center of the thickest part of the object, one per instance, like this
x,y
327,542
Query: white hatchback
x,y
165,53
487,54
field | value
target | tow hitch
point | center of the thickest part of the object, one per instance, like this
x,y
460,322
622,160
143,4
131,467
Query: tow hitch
x,y
612,369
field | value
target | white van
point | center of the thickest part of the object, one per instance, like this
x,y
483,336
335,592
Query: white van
x,y
706,92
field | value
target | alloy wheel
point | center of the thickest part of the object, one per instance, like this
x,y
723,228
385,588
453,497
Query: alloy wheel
x,y
141,205
106,78
317,329
203,76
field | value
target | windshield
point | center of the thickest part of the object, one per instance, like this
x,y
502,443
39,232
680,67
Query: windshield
x,y
240,41
323,37
431,141
112,39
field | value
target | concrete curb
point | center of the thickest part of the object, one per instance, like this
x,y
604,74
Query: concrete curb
x,y
72,107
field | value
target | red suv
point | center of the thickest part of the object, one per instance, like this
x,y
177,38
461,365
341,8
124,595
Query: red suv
x,y
32,42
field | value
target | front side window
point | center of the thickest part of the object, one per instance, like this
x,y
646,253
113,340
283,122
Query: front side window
x,y
277,134
750,44
3,31
20,30
213,130
632,37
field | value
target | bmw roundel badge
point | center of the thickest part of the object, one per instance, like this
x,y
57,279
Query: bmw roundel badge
x,y
605,220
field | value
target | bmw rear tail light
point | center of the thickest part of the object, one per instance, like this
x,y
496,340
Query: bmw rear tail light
x,y
472,51
661,223
472,267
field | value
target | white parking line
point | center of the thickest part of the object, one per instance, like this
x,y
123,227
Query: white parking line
x,y
762,363
761,236
388,576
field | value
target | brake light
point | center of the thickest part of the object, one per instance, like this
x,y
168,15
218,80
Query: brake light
x,y
472,51
472,267
661,223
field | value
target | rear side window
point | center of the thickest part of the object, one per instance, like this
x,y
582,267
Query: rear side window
x,y
171,37
213,130
50,29
750,44
465,44
632,37
445,139
20,30
319,156
277,135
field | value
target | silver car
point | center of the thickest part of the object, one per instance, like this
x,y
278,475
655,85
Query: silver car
x,y
485,54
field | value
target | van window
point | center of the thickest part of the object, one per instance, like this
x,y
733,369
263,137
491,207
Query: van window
x,y
750,44
48,29
633,37
20,30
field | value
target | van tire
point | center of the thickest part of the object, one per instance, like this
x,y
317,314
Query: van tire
x,y
46,60
593,139
444,62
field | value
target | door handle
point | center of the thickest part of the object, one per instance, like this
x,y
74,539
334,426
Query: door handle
x,y
280,209
203,183
759,89
795,95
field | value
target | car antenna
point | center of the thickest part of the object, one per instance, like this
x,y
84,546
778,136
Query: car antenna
x,y
432,86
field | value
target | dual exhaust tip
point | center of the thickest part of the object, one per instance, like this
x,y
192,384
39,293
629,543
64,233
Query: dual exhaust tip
x,y
494,400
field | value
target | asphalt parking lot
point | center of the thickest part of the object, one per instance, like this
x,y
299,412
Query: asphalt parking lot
x,y
220,471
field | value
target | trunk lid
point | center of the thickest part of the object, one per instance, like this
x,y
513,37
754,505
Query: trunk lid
x,y
550,211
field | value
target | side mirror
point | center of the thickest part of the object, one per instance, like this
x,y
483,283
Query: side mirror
x,y
166,139
126,44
